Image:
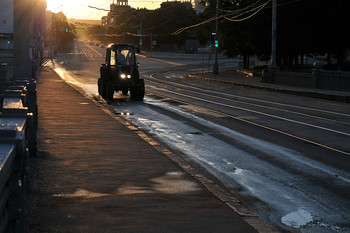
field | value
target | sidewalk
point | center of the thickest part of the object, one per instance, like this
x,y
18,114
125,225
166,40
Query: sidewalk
x,y
238,79
94,174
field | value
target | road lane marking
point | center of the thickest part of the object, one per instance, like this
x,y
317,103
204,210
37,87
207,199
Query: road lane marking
x,y
83,50
160,60
258,112
201,110
93,49
267,127
263,101
262,106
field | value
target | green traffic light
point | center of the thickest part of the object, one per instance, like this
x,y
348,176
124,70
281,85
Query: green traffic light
x,y
66,29
8,42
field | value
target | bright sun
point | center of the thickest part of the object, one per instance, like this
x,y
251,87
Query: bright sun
x,y
54,5
70,8
81,9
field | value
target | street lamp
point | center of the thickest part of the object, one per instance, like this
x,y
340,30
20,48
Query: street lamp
x,y
216,65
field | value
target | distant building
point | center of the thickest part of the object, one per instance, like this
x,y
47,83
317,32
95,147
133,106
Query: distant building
x,y
199,6
6,29
115,10
22,30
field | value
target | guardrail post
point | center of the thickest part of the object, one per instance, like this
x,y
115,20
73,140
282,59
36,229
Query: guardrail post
x,y
316,75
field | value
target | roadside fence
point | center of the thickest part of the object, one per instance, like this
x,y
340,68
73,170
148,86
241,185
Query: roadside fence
x,y
18,125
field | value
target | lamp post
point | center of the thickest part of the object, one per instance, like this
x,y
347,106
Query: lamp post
x,y
216,65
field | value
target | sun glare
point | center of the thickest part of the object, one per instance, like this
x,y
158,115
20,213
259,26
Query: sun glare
x,y
68,7
54,5
81,9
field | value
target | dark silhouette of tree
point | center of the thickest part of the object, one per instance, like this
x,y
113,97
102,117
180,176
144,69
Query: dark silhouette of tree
x,y
304,27
161,23
64,30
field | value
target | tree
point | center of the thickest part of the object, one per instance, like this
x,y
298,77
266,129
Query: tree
x,y
161,23
303,27
64,30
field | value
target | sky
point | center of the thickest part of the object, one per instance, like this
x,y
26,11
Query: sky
x,y
79,8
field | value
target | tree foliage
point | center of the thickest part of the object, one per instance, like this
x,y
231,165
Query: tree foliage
x,y
303,27
159,23
64,30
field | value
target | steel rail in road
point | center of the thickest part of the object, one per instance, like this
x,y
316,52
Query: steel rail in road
x,y
275,109
254,123
257,100
87,45
83,50
273,116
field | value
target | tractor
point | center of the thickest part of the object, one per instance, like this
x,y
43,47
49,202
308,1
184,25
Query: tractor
x,y
120,73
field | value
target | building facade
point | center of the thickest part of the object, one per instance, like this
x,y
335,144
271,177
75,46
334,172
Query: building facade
x,y
22,29
116,9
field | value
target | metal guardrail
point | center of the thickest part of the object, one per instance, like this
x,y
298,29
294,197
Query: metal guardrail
x,y
331,80
18,125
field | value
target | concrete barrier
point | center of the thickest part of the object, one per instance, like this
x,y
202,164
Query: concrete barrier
x,y
18,125
293,79
14,175
331,80
7,179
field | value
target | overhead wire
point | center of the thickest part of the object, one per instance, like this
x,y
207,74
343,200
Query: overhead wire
x,y
242,9
223,16
248,17
156,26
232,16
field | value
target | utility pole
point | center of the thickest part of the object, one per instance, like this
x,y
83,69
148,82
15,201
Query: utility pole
x,y
274,67
141,42
151,43
216,65
51,36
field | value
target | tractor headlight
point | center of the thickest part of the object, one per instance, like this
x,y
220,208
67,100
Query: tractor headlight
x,y
124,76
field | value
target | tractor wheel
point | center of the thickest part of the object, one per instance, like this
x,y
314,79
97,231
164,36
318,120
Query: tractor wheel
x,y
101,88
138,92
141,90
109,91
125,92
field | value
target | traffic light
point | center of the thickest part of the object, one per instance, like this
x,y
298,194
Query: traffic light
x,y
66,29
213,42
8,42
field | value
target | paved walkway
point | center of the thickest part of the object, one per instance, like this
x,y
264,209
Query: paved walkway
x,y
94,174
239,79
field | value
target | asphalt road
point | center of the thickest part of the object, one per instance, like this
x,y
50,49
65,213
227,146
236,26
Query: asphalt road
x,y
287,158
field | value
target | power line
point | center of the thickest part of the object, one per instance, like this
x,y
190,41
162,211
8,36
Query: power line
x,y
97,8
248,17
242,9
224,16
